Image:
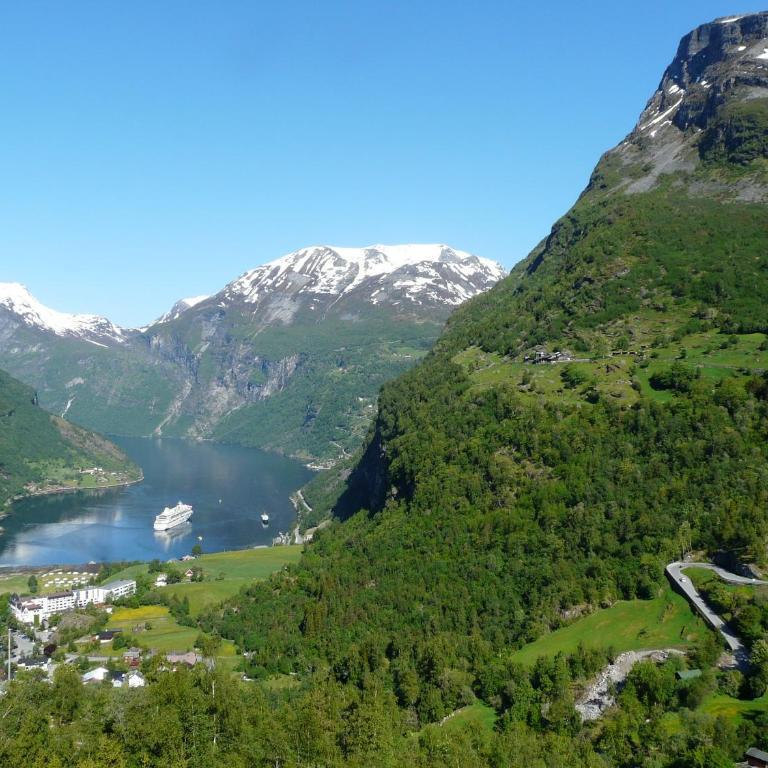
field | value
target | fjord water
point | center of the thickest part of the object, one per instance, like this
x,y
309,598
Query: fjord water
x,y
228,486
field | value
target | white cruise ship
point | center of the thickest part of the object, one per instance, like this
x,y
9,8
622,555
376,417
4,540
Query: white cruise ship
x,y
170,517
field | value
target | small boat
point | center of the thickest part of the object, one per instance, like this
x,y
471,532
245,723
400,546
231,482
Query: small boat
x,y
264,518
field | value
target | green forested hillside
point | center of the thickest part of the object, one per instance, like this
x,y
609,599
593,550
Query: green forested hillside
x,y
498,498
39,451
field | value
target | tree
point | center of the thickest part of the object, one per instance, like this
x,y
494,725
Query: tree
x,y
66,694
208,644
32,584
197,550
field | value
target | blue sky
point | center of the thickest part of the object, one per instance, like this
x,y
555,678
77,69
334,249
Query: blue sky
x,y
154,150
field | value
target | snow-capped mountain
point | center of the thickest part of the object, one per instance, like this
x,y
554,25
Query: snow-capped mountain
x,y
289,356
422,274
181,306
20,307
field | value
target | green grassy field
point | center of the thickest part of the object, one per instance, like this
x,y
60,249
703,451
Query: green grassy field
x,y
720,704
224,573
165,634
664,622
14,583
475,714
714,355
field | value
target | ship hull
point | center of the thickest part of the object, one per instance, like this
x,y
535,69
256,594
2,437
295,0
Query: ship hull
x,y
165,525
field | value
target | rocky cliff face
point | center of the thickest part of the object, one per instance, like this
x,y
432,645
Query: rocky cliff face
x,y
711,102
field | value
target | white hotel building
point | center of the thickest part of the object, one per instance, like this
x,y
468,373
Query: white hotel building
x,y
42,607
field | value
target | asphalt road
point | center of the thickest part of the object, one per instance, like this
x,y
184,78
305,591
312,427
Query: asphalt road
x,y
684,584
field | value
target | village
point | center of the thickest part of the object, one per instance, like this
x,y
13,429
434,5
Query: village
x,y
73,624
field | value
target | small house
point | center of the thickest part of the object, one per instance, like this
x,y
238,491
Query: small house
x,y
190,658
132,657
161,580
98,675
135,679
688,674
34,662
756,758
107,636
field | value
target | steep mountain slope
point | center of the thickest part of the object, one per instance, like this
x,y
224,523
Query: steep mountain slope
x,y
39,452
290,356
574,428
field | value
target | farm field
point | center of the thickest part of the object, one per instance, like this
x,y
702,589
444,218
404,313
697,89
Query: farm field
x,y
165,633
664,622
13,583
224,573
619,375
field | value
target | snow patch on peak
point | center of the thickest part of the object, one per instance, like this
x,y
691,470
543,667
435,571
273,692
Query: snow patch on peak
x,y
17,299
181,306
333,270
191,301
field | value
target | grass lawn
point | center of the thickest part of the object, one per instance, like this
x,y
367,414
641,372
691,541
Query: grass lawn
x,y
720,704
223,573
664,622
475,714
14,583
165,635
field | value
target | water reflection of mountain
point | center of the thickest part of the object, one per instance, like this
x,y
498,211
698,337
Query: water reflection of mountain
x,y
66,507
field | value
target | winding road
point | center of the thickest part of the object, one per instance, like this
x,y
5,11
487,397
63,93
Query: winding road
x,y
683,584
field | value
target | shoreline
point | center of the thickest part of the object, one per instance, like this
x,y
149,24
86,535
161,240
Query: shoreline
x,y
95,567
66,489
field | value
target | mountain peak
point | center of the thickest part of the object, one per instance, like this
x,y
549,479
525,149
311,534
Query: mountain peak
x,y
720,72
23,307
416,272
712,62
181,306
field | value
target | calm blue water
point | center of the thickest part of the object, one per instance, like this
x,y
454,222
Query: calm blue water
x,y
228,486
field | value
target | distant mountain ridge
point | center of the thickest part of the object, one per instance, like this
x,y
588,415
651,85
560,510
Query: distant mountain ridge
x,y
288,356
422,273
20,306
181,306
